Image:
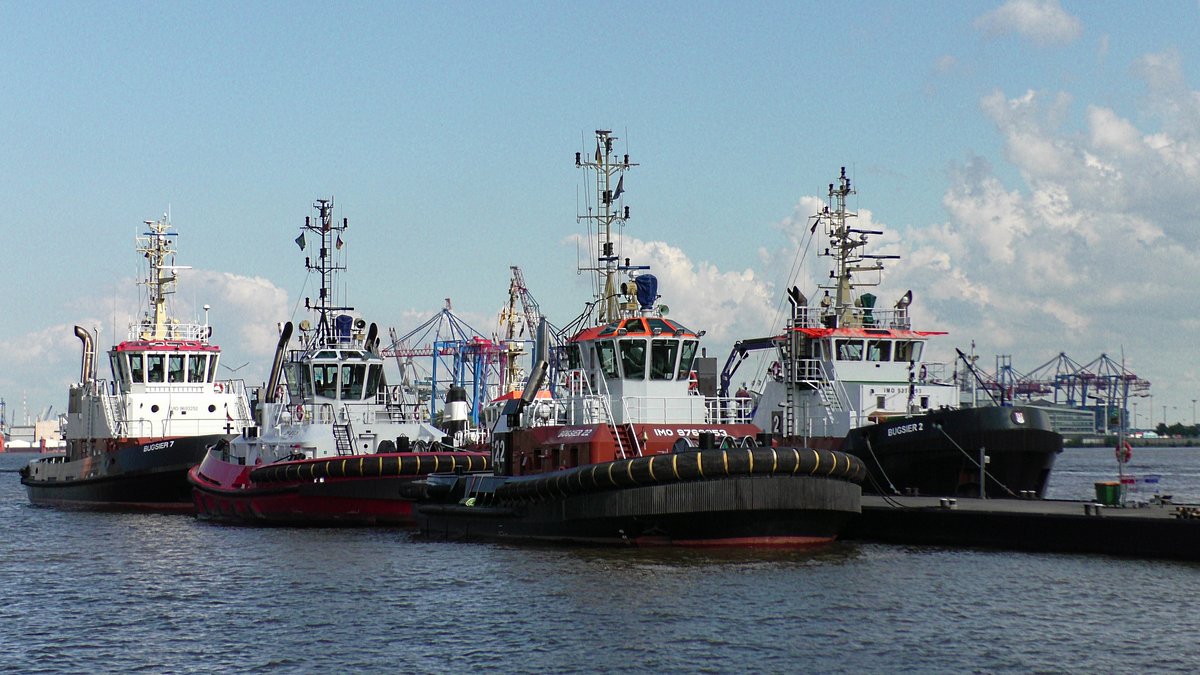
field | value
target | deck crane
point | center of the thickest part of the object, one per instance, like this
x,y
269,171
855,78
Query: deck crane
x,y
517,329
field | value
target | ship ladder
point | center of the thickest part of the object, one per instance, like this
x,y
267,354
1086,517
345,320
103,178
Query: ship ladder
x,y
626,438
116,421
341,439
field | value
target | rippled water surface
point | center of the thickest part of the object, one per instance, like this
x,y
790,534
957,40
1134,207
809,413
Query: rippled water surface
x,y
124,593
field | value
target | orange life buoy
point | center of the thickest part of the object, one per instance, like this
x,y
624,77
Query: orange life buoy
x,y
1124,452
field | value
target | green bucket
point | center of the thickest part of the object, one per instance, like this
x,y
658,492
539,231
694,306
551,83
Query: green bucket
x,y
1108,493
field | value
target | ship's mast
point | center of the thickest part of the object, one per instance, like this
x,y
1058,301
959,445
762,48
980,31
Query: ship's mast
x,y
606,215
157,245
844,244
330,234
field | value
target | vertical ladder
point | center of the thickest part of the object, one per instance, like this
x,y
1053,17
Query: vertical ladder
x,y
341,439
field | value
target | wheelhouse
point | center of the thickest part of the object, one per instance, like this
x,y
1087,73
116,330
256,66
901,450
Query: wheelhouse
x,y
335,374
183,364
638,349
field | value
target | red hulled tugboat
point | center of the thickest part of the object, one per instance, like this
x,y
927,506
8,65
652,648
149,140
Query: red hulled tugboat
x,y
624,451
131,440
334,444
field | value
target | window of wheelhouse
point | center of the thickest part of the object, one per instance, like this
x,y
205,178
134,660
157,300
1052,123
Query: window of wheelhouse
x,y
686,356
299,384
137,372
353,378
175,368
908,350
374,379
633,359
325,379
849,350
212,367
662,359
196,367
574,357
120,372
156,365
879,350
608,358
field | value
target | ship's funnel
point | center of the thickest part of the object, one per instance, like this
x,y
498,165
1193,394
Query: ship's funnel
x,y
536,378
87,367
372,333
796,297
277,364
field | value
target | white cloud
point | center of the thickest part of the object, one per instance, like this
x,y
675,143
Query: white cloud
x,y
1042,22
728,305
244,311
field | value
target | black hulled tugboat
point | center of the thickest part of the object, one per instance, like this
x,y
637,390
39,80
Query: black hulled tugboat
x,y
624,451
851,376
131,440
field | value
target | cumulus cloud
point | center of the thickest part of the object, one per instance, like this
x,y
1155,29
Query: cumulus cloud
x,y
1042,22
243,312
729,305
1085,249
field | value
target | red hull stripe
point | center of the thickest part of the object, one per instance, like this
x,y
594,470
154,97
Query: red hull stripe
x,y
764,542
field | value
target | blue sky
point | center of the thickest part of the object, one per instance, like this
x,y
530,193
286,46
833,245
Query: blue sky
x,y
1035,164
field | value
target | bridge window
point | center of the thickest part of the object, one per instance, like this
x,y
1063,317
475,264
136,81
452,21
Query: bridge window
x,y
196,364
908,350
298,382
353,377
155,367
120,374
662,359
849,350
325,379
175,368
374,378
687,354
608,358
633,359
574,360
212,367
879,350
136,373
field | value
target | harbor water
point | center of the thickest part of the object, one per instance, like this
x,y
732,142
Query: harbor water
x,y
122,593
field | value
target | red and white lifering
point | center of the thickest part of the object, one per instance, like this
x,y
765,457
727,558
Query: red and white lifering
x,y
1124,452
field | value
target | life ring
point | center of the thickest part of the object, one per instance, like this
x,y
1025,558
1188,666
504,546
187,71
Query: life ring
x,y
299,413
219,388
1124,452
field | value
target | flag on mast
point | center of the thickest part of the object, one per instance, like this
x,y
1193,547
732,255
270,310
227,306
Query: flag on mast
x,y
339,242
300,241
620,188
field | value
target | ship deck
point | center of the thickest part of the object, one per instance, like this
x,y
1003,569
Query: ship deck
x,y
1148,531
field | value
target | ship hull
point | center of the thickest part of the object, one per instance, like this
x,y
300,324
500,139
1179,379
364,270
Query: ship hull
x,y
134,474
727,502
938,453
359,490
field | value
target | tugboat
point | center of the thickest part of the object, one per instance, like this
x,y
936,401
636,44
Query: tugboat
x,y
851,376
623,452
333,443
130,441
